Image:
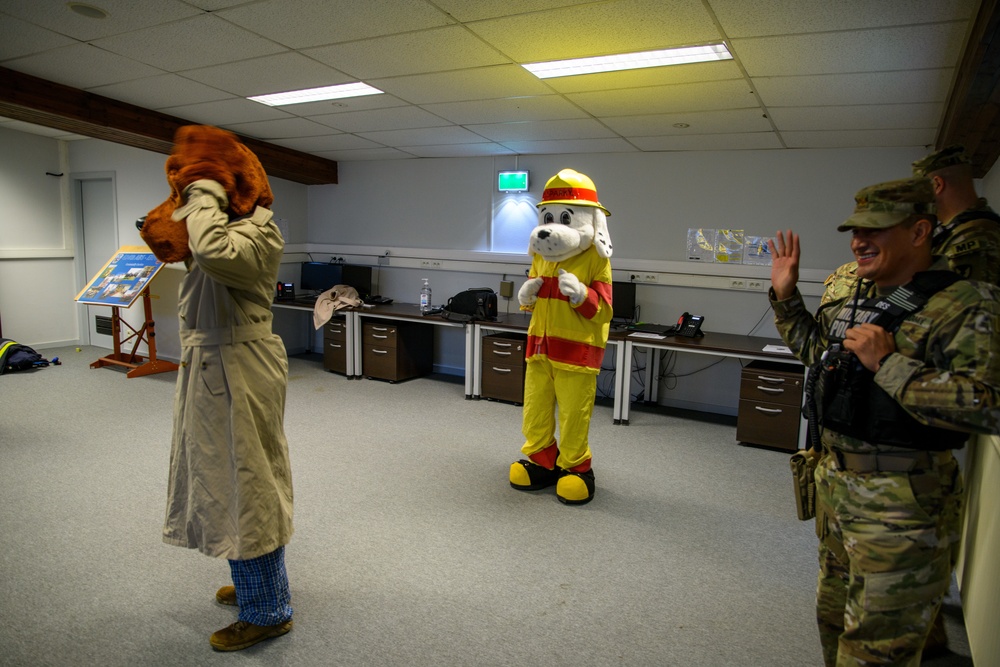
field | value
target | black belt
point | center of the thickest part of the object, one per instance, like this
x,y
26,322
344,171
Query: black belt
x,y
903,461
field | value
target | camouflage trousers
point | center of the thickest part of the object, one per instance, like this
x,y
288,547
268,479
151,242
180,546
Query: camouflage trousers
x,y
885,556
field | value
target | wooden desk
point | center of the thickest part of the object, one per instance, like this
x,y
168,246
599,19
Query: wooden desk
x,y
406,312
518,323
715,344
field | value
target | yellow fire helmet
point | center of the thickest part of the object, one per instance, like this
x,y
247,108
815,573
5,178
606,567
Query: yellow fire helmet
x,y
571,187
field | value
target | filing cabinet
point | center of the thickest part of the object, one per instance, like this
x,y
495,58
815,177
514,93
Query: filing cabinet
x,y
396,351
770,405
503,367
335,345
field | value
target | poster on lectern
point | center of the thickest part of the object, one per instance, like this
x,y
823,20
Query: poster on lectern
x,y
122,279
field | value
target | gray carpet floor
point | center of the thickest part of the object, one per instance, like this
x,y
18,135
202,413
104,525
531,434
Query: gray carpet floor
x,y
410,546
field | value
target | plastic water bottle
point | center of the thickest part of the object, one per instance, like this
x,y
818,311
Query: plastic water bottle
x,y
425,296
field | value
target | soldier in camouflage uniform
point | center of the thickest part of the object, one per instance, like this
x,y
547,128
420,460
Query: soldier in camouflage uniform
x,y
968,235
894,402
969,231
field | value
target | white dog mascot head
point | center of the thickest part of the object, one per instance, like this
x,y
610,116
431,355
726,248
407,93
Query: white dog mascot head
x,y
570,219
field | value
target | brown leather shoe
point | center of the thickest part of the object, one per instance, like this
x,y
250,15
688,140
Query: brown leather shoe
x,y
241,635
226,595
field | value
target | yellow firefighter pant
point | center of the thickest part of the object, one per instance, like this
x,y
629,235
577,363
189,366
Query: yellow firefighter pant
x,y
546,389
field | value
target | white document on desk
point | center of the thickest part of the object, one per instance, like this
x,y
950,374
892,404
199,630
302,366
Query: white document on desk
x,y
646,334
780,349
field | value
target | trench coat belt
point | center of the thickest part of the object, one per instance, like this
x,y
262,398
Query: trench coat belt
x,y
240,333
897,461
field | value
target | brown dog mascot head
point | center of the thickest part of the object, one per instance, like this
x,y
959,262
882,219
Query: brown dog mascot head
x,y
203,151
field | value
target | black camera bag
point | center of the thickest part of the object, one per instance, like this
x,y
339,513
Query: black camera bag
x,y
475,303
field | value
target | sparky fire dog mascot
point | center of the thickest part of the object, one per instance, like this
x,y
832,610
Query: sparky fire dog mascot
x,y
569,293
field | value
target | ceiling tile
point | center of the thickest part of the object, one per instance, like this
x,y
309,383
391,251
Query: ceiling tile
x,y
458,150
707,96
122,15
919,86
868,117
747,18
226,112
435,50
467,84
283,128
511,109
345,105
160,91
584,128
22,39
423,136
277,73
81,66
300,24
698,123
570,146
366,154
476,10
378,119
860,138
189,44
328,142
912,47
709,142
599,28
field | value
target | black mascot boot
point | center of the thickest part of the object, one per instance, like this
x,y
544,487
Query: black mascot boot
x,y
528,476
575,488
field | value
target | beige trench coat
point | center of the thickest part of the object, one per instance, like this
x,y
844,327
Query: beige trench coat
x,y
230,489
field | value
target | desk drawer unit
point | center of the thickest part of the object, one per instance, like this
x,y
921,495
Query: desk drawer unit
x,y
335,346
770,405
503,367
396,351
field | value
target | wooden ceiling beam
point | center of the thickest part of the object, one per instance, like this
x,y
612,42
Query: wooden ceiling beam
x,y
973,108
34,100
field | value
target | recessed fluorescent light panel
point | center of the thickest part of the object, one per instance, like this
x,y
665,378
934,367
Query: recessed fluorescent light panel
x,y
317,94
623,61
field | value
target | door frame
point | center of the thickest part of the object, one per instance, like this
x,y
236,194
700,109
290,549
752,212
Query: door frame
x,y
79,262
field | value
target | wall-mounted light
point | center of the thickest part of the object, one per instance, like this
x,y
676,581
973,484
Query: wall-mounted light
x,y
512,181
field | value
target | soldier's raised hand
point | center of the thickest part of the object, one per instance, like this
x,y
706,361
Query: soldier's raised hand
x,y
784,264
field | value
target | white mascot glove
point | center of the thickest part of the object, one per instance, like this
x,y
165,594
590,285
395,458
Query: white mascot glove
x,y
202,194
571,287
528,294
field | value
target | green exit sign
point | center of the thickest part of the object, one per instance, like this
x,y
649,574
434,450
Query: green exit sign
x,y
512,181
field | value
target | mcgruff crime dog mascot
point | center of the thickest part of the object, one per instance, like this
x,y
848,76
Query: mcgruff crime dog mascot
x,y
230,485
569,293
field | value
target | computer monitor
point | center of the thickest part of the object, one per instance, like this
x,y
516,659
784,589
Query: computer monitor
x,y
622,301
319,276
358,277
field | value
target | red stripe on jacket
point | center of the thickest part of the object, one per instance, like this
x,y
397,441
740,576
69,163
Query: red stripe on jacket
x,y
565,351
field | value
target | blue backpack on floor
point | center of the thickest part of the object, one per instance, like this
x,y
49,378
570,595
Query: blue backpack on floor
x,y
17,357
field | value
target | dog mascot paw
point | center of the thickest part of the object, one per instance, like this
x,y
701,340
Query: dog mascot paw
x,y
568,292
203,153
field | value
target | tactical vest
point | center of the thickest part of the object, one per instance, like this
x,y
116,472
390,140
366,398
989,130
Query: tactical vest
x,y
842,394
941,232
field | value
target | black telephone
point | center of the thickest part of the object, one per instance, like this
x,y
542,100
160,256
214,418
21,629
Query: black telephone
x,y
286,291
690,325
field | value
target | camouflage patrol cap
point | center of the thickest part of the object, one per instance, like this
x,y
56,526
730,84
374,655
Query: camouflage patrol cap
x,y
887,204
946,157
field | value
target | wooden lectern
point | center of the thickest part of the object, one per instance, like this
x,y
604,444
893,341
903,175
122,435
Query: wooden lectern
x,y
125,277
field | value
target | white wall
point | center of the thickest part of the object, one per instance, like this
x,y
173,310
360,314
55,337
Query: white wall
x,y
37,279
979,568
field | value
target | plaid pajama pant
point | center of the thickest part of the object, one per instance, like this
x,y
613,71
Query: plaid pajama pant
x,y
262,588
